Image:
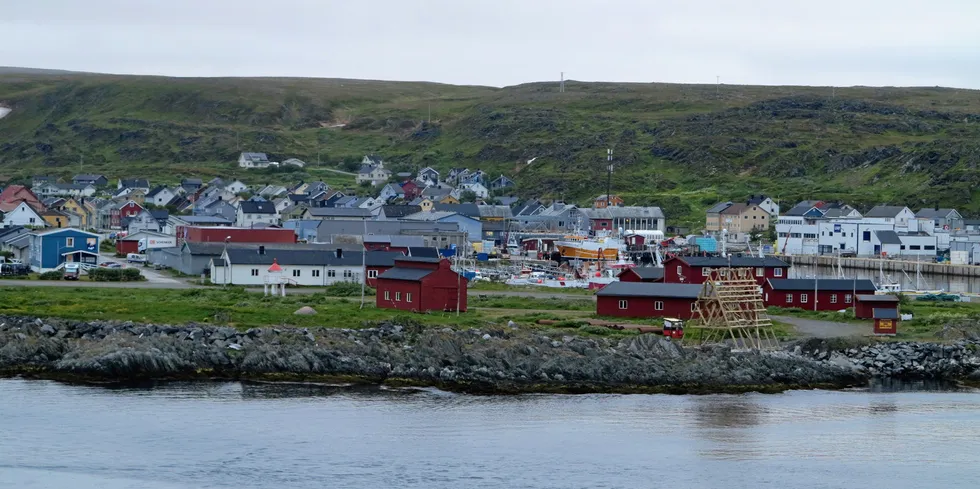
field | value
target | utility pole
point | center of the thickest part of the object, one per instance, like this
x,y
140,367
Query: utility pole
x,y
363,265
717,85
561,84
609,169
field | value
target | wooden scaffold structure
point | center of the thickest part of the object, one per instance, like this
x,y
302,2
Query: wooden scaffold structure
x,y
730,307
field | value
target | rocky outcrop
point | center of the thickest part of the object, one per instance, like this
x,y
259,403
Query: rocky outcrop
x,y
497,360
958,360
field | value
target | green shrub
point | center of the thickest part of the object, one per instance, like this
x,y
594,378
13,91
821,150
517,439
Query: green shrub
x,y
347,289
115,275
596,330
52,275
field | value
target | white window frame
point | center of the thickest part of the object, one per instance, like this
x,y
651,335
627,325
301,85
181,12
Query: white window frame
x,y
804,298
316,273
694,306
789,298
623,304
408,297
387,295
680,270
658,305
372,274
331,273
398,296
296,273
255,272
348,273
760,272
705,272
848,298
777,272
69,242
833,298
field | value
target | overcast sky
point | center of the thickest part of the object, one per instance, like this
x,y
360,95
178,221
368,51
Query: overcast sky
x,y
506,42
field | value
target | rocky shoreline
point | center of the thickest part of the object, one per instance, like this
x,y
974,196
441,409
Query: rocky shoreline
x,y
492,361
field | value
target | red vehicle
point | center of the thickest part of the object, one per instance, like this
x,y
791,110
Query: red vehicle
x,y
673,328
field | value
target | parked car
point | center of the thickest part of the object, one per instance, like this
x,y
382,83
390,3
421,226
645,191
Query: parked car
x,y
136,258
110,264
72,271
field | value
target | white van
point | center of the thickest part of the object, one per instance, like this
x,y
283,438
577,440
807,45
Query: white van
x,y
136,258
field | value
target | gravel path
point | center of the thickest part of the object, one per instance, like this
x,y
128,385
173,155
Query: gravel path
x,y
825,329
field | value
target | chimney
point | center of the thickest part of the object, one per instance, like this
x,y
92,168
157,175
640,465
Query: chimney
x,y
340,252
261,249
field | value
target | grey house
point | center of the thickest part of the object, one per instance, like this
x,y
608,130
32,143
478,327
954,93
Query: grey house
x,y
948,219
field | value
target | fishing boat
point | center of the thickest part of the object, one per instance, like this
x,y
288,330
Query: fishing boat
x,y
582,248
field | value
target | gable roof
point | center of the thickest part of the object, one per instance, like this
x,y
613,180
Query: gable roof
x,y
499,211
399,211
468,210
257,157
832,284
885,211
735,209
339,212
933,213
382,258
403,273
135,183
623,212
287,257
717,208
88,177
254,207
802,208
888,237
647,273
647,289
156,191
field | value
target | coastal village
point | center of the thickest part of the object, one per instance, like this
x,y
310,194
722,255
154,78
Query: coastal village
x,y
423,239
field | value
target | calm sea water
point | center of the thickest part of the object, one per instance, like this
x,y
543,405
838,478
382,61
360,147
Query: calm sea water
x,y
229,435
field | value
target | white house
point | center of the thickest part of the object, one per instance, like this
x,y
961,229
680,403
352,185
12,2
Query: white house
x,y
143,222
253,160
236,187
372,170
391,191
134,184
477,188
294,162
160,196
23,215
890,214
765,203
308,267
428,176
251,213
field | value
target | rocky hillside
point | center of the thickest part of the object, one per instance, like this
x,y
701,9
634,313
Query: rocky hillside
x,y
679,146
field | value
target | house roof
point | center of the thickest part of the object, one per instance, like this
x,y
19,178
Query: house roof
x,y
203,219
287,257
255,156
756,199
932,213
339,212
346,200
717,208
429,216
398,211
88,177
156,190
191,181
49,232
624,212
135,183
832,284
468,210
648,273
884,313
885,211
422,251
802,208
508,201
420,259
253,207
877,298
647,289
735,209
373,158
409,274
496,211
734,261
888,237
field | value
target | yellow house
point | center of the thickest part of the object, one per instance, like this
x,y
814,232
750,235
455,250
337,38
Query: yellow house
x,y
449,199
426,204
137,196
84,214
56,219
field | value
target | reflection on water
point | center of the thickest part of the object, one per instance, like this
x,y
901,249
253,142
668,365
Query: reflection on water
x,y
245,436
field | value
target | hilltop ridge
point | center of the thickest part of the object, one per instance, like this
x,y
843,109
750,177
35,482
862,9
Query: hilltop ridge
x,y
682,147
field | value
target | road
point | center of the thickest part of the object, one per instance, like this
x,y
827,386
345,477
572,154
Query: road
x,y
824,329
342,172
152,276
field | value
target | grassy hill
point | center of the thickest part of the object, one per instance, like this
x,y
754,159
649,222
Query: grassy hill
x,y
679,146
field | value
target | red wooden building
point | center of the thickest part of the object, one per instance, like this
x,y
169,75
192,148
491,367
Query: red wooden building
x,y
220,234
865,305
815,295
644,299
377,263
128,210
694,269
886,322
421,284
642,274
411,190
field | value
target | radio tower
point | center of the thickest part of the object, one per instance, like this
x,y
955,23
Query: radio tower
x,y
609,169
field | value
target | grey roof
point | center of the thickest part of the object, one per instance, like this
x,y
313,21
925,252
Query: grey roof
x,y
508,201
373,158
801,208
262,157
218,262
345,200
933,213
884,211
401,273
468,210
203,219
382,258
423,252
884,313
429,216
835,284
734,261
212,249
407,241
499,211
314,257
155,191
648,273
253,207
647,289
877,298
339,212
398,211
888,237
718,207
624,212
420,259
135,183
327,229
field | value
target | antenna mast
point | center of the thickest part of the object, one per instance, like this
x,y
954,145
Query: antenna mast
x,y
561,85
609,168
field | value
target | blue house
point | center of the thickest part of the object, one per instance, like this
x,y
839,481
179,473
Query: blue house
x,y
471,226
50,249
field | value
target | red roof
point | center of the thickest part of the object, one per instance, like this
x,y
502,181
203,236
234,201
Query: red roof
x,y
275,268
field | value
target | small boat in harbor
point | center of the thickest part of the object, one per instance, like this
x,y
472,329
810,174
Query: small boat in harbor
x,y
583,248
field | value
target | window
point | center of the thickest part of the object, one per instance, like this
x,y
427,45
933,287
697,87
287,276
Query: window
x,y
348,273
408,297
296,273
680,270
915,247
929,247
777,272
255,272
31,220
760,272
316,273
803,298
783,235
372,274
398,296
789,298
387,295
902,247
847,298
694,307
794,235
623,304
810,235
69,242
833,298
866,236
331,273
658,306
705,272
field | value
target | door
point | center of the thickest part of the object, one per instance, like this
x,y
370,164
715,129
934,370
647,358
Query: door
x,y
877,249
